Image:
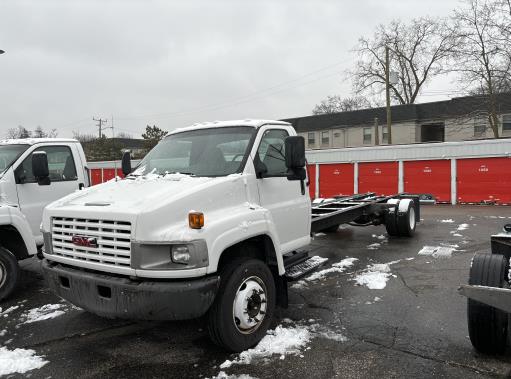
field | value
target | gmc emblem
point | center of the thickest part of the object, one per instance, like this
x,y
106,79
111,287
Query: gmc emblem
x,y
84,241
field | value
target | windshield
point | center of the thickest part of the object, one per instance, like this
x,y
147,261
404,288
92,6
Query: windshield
x,y
202,152
9,154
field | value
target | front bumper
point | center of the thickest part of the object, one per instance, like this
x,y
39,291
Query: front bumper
x,y
120,297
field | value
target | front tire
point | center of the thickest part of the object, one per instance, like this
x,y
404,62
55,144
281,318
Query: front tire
x,y
487,326
9,272
244,306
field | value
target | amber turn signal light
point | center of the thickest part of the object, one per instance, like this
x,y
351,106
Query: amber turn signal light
x,y
196,220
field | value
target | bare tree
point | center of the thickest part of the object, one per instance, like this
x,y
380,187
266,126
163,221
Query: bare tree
x,y
335,104
40,133
418,52
484,51
18,133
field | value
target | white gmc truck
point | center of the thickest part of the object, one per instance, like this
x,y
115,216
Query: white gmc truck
x,y
211,222
33,173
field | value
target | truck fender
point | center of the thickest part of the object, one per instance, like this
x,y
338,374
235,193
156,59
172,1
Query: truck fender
x,y
11,216
234,236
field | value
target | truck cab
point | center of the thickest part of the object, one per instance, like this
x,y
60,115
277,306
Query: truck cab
x,y
24,192
201,226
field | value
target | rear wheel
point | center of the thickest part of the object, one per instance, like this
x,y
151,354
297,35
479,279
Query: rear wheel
x,y
406,222
244,306
391,218
487,326
9,272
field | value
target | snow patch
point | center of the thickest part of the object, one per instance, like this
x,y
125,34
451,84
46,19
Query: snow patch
x,y
223,375
462,227
19,361
448,221
45,312
8,310
282,341
375,277
3,332
338,267
438,251
380,237
374,246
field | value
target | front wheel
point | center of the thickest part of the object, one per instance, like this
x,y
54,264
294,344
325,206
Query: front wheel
x,y
244,306
487,326
9,272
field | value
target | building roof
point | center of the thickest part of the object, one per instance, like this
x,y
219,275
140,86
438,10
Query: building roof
x,y
33,141
438,110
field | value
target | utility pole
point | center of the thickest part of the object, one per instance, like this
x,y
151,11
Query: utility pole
x,y
376,134
100,122
387,93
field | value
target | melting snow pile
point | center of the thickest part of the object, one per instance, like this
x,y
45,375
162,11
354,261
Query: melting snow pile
x,y
45,312
19,361
282,341
438,251
223,375
375,277
319,275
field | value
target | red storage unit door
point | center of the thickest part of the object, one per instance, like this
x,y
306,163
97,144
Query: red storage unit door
x,y
95,176
108,173
336,179
484,180
380,177
311,171
432,177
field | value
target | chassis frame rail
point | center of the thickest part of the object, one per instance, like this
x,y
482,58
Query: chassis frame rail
x,y
344,209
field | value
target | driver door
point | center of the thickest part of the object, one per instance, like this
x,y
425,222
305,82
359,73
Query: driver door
x,y
289,208
34,197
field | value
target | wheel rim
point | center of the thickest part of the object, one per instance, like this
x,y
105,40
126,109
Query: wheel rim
x,y
3,274
250,303
411,218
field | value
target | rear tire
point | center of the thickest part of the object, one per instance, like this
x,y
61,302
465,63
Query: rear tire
x,y
9,272
391,219
487,326
406,222
244,306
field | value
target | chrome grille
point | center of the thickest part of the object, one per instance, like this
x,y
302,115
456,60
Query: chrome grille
x,y
113,240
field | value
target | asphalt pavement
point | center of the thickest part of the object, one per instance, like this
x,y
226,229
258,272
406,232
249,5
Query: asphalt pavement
x,y
414,327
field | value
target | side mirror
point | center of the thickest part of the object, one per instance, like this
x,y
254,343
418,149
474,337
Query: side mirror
x,y
126,163
40,168
295,158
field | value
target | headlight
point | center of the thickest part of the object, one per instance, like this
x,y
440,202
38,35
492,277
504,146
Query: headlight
x,y
180,254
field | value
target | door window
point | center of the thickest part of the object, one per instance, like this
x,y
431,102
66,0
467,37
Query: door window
x,y
271,152
61,165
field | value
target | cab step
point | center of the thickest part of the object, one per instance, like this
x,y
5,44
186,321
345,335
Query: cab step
x,y
303,268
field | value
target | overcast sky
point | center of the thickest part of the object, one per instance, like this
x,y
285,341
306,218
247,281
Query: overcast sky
x,y
174,63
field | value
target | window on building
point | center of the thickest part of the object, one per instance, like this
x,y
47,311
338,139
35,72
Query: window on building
x,y
325,138
433,132
385,134
480,125
311,138
506,122
368,136
337,134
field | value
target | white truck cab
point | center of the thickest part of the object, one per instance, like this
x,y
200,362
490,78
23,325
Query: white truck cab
x,y
23,195
201,224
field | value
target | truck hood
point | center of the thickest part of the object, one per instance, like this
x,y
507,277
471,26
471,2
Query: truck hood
x,y
137,195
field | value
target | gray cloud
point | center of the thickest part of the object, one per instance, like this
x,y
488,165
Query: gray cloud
x,y
174,63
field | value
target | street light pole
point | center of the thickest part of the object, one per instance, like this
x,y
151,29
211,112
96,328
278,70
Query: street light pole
x,y
387,93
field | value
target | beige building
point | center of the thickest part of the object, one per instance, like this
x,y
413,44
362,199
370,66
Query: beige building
x,y
459,119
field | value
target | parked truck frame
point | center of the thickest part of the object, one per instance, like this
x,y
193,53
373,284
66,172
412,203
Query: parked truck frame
x,y
212,222
33,173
